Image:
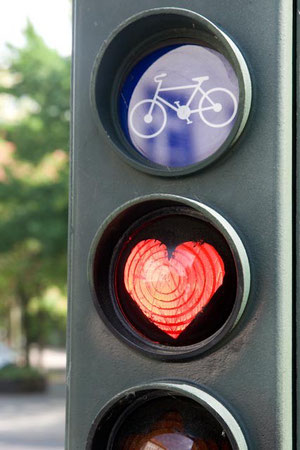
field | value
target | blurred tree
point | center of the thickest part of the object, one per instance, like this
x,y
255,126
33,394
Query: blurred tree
x,y
34,182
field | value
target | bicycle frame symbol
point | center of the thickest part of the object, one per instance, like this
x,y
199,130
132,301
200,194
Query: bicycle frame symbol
x,y
148,109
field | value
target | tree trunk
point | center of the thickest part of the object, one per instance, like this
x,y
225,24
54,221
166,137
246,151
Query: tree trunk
x,y
15,326
24,301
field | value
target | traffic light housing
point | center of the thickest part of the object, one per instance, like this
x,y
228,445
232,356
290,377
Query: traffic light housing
x,y
174,200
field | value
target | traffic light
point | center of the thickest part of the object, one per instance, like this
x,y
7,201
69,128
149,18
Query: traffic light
x,y
180,287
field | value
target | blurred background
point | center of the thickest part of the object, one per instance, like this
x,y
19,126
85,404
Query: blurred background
x,y
35,48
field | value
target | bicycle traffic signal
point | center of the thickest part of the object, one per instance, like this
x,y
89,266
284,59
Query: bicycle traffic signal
x,y
180,227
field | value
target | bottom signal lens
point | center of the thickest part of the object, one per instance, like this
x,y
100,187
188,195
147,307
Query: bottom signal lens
x,y
174,423
165,416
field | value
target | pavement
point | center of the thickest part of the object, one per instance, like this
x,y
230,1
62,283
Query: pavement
x,y
33,421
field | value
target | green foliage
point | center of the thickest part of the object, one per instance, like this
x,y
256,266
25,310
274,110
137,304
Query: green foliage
x,y
43,76
34,184
16,373
47,317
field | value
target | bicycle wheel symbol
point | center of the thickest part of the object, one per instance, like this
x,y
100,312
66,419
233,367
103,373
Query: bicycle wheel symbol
x,y
218,107
148,118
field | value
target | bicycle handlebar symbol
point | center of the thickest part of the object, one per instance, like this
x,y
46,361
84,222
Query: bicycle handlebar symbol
x,y
149,108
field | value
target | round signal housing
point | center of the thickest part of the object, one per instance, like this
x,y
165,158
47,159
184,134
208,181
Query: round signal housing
x,y
173,101
169,275
173,277
173,415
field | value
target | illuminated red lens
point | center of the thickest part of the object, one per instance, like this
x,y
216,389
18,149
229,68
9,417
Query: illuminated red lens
x,y
171,291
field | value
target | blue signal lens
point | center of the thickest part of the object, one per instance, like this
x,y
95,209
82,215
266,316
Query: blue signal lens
x,y
178,105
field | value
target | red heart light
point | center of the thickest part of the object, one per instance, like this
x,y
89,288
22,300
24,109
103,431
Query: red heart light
x,y
172,291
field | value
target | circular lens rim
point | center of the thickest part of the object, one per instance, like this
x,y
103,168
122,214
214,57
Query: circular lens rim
x,y
124,330
113,271
116,136
234,431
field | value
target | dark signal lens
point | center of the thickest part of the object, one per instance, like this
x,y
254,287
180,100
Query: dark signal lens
x,y
171,291
174,277
164,423
165,416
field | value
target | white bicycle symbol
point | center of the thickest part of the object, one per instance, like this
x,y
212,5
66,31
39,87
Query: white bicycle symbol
x,y
150,108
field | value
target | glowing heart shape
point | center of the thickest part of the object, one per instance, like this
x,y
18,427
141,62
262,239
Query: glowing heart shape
x,y
172,291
